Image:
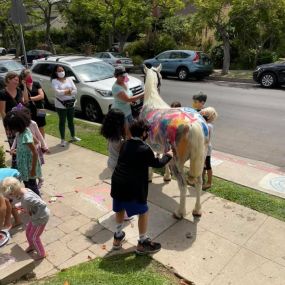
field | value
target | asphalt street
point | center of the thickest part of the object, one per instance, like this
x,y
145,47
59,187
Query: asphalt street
x,y
251,119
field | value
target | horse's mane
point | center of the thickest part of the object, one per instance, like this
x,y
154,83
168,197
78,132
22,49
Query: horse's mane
x,y
152,98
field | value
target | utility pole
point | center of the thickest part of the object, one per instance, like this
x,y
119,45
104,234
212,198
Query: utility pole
x,y
19,16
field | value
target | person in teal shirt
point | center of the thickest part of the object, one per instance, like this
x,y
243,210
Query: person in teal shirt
x,y
123,96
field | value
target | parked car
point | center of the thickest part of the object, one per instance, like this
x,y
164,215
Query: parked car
x,y
93,78
35,54
116,59
12,51
3,51
182,63
270,75
6,66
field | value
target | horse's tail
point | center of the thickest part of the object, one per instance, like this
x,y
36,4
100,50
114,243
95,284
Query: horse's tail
x,y
197,153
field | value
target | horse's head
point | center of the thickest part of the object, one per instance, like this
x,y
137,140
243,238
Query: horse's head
x,y
153,76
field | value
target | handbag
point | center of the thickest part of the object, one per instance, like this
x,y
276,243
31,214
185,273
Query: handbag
x,y
67,103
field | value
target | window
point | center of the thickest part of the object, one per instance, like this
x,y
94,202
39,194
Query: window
x,y
164,55
44,69
175,55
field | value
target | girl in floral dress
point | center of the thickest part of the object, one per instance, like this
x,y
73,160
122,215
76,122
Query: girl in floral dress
x,y
27,156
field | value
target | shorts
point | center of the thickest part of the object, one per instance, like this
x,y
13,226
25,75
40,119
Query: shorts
x,y
129,119
208,163
41,121
132,208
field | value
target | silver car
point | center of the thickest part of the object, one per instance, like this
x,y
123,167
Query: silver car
x,y
93,78
116,59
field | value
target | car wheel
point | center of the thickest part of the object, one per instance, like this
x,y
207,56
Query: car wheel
x,y
268,80
92,110
182,73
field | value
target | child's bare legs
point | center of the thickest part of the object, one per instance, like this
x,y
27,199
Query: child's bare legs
x,y
119,235
209,179
7,221
142,224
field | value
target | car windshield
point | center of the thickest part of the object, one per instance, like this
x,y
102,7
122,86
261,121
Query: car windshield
x,y
116,54
11,65
94,71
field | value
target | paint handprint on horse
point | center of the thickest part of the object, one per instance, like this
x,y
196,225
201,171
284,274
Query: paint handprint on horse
x,y
182,129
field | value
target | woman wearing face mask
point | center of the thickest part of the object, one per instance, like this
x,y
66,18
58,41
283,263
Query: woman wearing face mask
x,y
10,97
123,96
36,97
65,93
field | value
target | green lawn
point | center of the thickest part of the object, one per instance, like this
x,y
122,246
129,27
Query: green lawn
x,y
261,202
116,270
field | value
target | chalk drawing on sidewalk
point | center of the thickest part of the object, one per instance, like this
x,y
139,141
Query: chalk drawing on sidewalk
x,y
216,162
278,183
5,260
273,182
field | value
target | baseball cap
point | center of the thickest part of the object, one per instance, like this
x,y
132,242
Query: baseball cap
x,y
120,70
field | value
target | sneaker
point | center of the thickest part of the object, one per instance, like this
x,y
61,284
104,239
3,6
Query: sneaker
x,y
147,247
63,143
118,241
75,139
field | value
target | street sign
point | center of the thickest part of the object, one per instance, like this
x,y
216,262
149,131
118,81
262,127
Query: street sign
x,y
18,12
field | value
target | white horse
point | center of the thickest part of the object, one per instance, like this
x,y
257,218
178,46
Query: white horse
x,y
182,129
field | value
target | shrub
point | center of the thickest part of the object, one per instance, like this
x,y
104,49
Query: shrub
x,y
2,157
266,56
137,59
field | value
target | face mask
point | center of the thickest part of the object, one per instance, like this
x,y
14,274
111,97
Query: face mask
x,y
29,80
126,79
61,74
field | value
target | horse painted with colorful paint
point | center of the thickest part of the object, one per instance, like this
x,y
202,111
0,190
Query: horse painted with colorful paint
x,y
182,129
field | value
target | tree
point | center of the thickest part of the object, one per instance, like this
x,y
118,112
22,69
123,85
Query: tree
x,y
41,11
258,25
10,32
215,14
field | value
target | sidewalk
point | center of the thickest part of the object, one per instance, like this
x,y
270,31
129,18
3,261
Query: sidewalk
x,y
230,244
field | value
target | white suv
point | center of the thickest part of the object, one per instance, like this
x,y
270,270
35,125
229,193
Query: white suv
x,y
93,78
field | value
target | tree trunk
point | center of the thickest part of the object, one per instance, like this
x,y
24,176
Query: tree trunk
x,y
227,56
48,25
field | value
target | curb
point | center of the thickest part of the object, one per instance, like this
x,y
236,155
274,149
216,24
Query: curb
x,y
220,78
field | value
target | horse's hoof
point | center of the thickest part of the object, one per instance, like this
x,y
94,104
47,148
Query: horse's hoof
x,y
197,213
177,217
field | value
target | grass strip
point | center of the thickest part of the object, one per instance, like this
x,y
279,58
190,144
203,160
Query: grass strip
x,y
118,269
256,200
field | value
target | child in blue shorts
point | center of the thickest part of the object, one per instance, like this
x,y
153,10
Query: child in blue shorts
x,y
129,188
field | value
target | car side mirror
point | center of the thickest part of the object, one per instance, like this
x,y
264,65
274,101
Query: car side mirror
x,y
3,69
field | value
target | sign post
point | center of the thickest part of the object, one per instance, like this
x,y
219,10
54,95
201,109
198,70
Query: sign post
x,y
19,16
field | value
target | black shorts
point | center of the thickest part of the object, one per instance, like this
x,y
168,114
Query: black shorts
x,y
41,121
207,165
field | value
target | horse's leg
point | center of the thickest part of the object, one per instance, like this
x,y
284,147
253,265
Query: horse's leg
x,y
178,172
197,211
167,173
150,174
